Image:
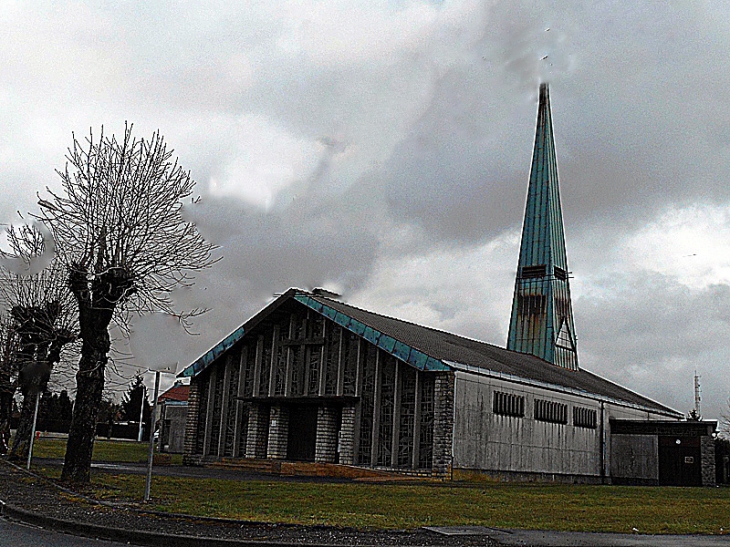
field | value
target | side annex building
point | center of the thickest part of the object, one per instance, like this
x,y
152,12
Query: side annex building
x,y
312,379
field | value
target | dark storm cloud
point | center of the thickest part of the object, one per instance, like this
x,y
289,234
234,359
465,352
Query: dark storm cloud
x,y
639,123
379,148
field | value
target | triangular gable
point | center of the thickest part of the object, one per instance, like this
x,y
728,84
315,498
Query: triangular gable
x,y
205,360
387,343
565,337
397,348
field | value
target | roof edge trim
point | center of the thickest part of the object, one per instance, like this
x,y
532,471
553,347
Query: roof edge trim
x,y
396,348
205,360
212,354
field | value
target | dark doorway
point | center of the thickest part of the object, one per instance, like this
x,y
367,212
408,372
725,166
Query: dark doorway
x,y
680,462
302,433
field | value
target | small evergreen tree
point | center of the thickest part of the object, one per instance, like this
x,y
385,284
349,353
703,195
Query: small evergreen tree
x,y
132,401
54,412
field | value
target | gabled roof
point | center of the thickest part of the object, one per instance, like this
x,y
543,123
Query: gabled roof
x,y
175,393
416,358
430,349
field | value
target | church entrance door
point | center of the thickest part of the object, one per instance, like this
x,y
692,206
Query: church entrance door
x,y
302,433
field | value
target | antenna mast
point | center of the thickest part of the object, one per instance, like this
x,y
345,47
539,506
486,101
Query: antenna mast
x,y
697,395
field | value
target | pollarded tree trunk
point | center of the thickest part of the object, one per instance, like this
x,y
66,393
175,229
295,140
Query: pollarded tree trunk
x,y
7,390
96,301
89,388
21,441
33,380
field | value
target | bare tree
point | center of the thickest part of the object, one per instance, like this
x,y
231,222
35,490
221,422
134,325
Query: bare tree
x,y
119,230
724,429
8,380
42,318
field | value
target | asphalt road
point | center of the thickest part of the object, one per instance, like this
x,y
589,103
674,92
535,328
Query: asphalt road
x,y
13,534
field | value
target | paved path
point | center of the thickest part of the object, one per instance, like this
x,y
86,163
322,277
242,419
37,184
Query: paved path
x,y
14,534
580,539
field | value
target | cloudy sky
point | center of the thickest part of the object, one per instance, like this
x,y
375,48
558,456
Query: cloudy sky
x,y
382,149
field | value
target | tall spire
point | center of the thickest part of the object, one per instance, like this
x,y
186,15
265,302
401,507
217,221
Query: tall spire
x,y
542,316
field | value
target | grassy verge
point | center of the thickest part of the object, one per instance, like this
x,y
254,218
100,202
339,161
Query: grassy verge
x,y
104,451
556,507
573,508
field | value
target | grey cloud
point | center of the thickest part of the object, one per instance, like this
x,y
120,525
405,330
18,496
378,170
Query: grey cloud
x,y
436,144
649,333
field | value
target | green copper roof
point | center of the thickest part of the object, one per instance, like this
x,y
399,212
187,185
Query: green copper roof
x,y
344,318
212,354
542,318
399,349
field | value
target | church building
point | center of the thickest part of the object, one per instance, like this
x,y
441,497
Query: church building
x,y
312,379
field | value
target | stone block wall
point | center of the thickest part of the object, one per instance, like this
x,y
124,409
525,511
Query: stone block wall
x,y
257,437
707,451
443,427
191,425
278,432
325,448
347,435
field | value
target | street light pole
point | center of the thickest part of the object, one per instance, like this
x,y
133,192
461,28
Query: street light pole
x,y
151,452
32,432
141,413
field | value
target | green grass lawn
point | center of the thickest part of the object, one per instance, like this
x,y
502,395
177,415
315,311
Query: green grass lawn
x,y
104,451
555,507
574,508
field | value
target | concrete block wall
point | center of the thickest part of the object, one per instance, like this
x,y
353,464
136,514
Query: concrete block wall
x,y
635,458
347,435
707,453
443,423
191,425
278,432
325,448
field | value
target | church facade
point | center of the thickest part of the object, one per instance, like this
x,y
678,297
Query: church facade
x,y
310,378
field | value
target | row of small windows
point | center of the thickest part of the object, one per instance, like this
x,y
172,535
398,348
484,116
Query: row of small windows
x,y
509,404
551,411
584,417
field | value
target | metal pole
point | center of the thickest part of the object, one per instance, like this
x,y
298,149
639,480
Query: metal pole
x,y
150,454
141,414
32,433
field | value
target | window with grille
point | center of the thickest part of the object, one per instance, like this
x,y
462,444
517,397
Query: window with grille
x,y
551,411
531,304
584,417
508,404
